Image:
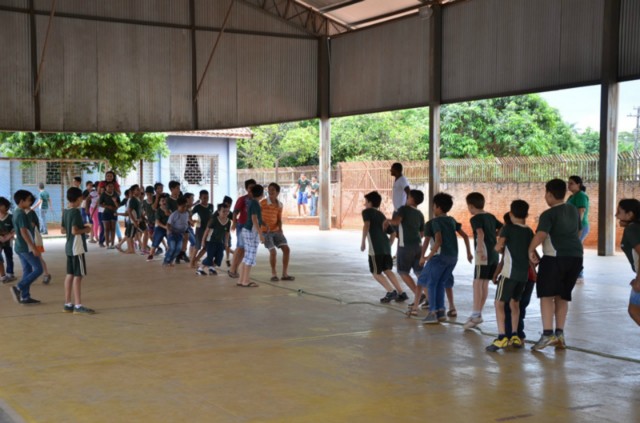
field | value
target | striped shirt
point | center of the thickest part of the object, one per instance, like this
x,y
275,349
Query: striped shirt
x,y
271,215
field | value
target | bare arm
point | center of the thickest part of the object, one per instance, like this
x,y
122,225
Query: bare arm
x,y
436,246
482,249
467,245
365,231
535,242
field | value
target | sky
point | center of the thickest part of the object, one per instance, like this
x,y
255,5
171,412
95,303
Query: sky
x,y
581,106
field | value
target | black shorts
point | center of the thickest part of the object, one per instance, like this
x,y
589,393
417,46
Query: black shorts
x,y
76,265
484,271
509,289
557,276
379,263
129,230
409,258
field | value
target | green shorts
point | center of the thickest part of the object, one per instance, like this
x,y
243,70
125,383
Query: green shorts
x,y
509,289
76,265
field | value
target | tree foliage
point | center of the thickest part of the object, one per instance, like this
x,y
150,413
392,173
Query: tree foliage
x,y
121,150
591,141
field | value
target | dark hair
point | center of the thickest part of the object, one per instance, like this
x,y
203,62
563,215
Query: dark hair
x,y
203,192
443,201
374,198
88,182
417,195
126,192
106,184
520,209
476,200
507,219
181,201
276,186
227,200
77,179
21,195
41,185
158,184
173,184
578,180
112,173
134,187
222,206
4,202
557,188
257,191
149,190
249,182
73,194
631,205
188,195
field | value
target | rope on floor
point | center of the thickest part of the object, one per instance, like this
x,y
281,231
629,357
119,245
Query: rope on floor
x,y
301,291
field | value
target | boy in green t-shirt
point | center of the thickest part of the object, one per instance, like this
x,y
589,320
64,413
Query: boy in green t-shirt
x,y
6,237
380,261
133,215
25,248
252,236
560,265
513,243
75,248
215,240
485,229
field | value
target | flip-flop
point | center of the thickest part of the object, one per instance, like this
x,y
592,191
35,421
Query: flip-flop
x,y
249,285
288,278
275,279
411,313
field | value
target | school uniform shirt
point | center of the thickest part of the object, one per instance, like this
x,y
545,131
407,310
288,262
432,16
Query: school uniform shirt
x,y
399,195
219,230
411,226
253,209
172,203
6,226
179,222
562,224
108,200
162,216
72,218
45,199
134,204
376,237
149,212
489,225
580,200
630,239
21,220
204,213
516,251
34,220
303,185
428,233
447,226
271,214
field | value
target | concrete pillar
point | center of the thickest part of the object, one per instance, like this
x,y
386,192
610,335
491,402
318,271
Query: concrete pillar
x,y
434,154
608,130
324,199
435,87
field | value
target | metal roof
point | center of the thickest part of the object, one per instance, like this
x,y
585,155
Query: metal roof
x,y
220,133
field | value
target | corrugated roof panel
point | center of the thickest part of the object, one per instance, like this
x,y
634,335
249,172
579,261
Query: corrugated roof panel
x,y
385,67
16,85
52,80
629,61
118,77
277,79
179,60
581,40
218,98
162,11
16,3
243,17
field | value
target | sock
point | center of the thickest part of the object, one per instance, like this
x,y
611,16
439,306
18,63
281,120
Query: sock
x,y
501,336
78,305
514,334
547,332
559,332
68,305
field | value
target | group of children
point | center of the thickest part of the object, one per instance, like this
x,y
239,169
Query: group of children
x,y
516,273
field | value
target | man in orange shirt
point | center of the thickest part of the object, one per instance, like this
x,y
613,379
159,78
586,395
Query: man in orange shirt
x,y
272,230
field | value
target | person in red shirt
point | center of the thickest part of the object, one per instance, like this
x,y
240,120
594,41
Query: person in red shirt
x,y
238,221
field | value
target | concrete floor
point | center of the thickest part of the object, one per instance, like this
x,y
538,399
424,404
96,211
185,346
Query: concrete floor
x,y
168,346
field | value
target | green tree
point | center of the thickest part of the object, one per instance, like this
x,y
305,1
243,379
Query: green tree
x,y
122,151
591,141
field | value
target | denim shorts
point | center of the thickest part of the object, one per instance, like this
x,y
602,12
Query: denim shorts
x,y
409,258
240,243
634,298
438,270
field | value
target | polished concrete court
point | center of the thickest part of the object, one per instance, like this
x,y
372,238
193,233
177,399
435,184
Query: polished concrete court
x,y
168,346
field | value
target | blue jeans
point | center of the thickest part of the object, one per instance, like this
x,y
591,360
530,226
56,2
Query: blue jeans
x,y
583,235
31,270
175,247
158,234
524,302
8,258
314,206
435,275
43,221
215,251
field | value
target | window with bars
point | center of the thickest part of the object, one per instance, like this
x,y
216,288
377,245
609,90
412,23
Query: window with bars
x,y
48,172
194,169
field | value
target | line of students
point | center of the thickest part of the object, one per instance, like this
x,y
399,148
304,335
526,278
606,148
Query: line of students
x,y
558,233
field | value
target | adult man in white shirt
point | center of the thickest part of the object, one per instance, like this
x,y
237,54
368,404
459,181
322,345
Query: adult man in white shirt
x,y
399,194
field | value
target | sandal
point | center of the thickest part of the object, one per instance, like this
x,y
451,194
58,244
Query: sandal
x,y
249,285
288,278
411,313
274,279
452,313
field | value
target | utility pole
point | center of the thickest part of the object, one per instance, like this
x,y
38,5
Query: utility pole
x,y
636,132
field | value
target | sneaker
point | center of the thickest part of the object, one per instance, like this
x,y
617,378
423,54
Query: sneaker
x,y
212,271
178,259
515,342
68,308
440,314
29,301
431,319
201,272
11,277
561,345
545,341
423,303
46,279
472,322
83,310
389,297
159,251
4,279
149,257
402,297
15,293
498,344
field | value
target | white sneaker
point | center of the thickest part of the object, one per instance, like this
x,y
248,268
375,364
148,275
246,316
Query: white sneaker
x,y
472,322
